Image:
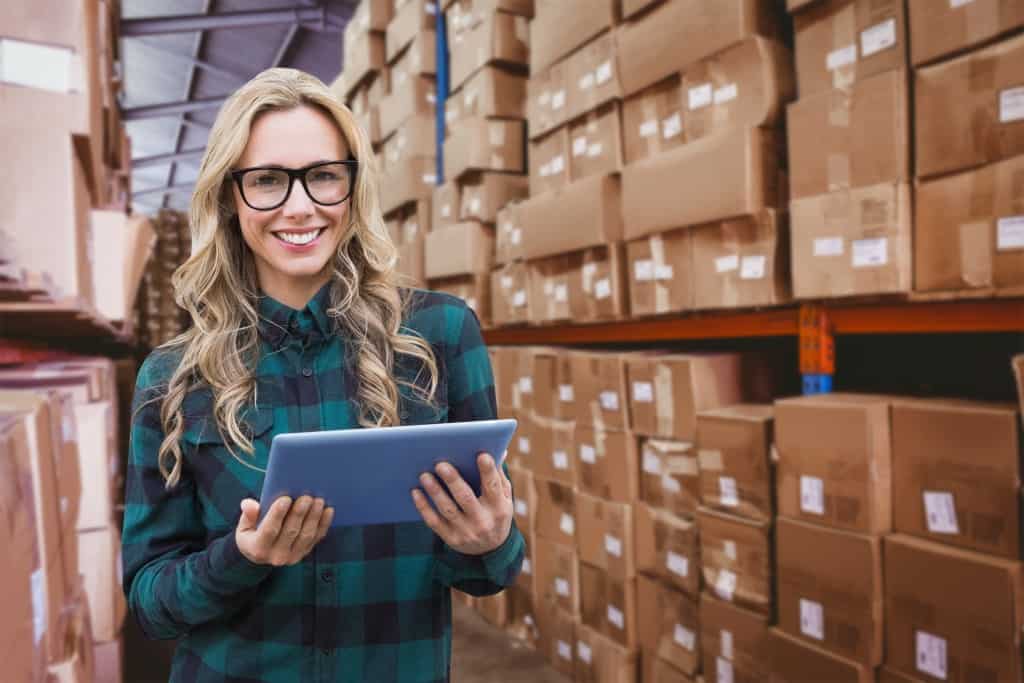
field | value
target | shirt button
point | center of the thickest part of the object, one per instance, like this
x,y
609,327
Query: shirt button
x,y
327,577
307,372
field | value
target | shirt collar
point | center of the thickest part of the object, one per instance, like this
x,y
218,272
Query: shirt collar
x,y
278,320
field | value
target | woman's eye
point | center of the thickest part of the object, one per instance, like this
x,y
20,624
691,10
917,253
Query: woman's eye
x,y
324,176
267,180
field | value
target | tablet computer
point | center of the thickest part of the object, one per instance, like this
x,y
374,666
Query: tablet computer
x,y
367,474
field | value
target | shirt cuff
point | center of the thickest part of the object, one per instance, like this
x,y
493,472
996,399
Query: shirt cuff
x,y
231,569
502,564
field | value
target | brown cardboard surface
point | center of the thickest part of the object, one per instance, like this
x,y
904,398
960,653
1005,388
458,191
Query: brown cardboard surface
x,y
370,123
372,15
499,39
830,589
968,111
462,16
596,143
591,74
412,258
845,480
684,187
493,92
412,21
524,491
795,661
525,580
669,476
446,203
557,574
969,230
887,675
597,288
474,289
549,288
657,670
660,273
957,603
599,387
609,605
510,294
852,242
364,57
736,559
117,271
415,137
667,548
546,100
939,30
580,215
561,26
418,96
542,364
600,659
460,249
556,512
734,642
841,42
669,629
607,464
549,162
734,458
677,34
95,453
98,563
745,85
505,361
483,194
377,88
652,120
494,609
1018,371
557,634
605,536
418,60
551,450
850,138
485,145
956,473
630,8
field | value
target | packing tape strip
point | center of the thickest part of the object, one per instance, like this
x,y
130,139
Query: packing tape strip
x,y
720,114
976,250
844,33
838,172
664,399
661,291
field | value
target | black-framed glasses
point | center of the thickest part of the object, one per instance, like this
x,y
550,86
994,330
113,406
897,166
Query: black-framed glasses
x,y
265,188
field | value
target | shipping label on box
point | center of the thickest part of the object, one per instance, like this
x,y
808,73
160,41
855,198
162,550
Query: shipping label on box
x,y
607,464
552,450
667,548
734,457
669,629
525,493
734,642
669,477
660,273
736,559
599,385
609,605
557,568
652,120
546,100
606,536
595,143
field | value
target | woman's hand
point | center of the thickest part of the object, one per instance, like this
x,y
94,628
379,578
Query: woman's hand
x,y
287,533
469,525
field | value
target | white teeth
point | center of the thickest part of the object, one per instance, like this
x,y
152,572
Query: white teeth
x,y
298,238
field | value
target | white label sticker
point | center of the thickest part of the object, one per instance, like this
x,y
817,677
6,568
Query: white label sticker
x,y
652,463
560,459
828,246
588,454
752,267
430,8
931,654
522,509
878,37
558,99
527,566
643,270
603,73
429,179
940,512
841,57
685,637
612,545
519,298
700,96
562,587
812,495
474,205
955,4
725,637
649,128
594,149
586,81
643,392
727,93
557,164
565,650
870,253
615,617
672,126
603,288
677,564
723,670
561,293
37,66
566,394
583,650
663,272
567,524
526,384
670,484
609,400
507,281
730,549
38,588
812,619
724,264
579,146
727,492
1010,233
517,236
524,444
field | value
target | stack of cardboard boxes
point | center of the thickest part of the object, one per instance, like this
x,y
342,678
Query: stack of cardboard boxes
x,y
157,317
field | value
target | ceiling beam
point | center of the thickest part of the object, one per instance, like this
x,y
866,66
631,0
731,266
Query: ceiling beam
x,y
148,26
161,159
172,108
234,74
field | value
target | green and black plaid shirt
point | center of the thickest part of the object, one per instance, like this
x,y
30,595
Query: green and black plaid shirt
x,y
369,603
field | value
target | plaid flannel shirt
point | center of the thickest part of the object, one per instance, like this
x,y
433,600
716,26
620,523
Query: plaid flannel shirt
x,y
370,603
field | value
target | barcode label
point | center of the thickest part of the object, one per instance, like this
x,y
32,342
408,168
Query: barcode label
x,y
940,512
615,617
560,459
699,96
565,650
562,587
588,454
725,637
685,637
812,619
612,545
727,492
725,584
566,393
931,654
583,650
812,495
878,37
609,400
844,56
652,463
522,509
524,444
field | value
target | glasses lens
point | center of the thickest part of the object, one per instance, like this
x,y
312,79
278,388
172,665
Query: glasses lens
x,y
329,184
265,188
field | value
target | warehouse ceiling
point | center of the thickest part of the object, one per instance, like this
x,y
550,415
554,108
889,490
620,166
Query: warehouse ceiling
x,y
180,58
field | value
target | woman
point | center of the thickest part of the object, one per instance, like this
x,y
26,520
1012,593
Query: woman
x,y
299,326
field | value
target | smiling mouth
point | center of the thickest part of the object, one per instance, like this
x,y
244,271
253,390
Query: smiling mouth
x,y
299,238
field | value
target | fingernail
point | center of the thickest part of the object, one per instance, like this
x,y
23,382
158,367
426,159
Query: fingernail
x,y
425,478
415,493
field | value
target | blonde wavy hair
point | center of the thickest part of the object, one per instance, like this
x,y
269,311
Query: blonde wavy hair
x,y
218,287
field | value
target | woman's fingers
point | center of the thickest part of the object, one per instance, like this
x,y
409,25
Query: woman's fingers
x,y
290,530
307,537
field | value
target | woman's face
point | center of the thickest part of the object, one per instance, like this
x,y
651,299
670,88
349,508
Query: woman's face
x,y
290,267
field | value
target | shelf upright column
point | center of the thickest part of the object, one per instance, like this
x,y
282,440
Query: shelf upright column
x,y
817,349
442,87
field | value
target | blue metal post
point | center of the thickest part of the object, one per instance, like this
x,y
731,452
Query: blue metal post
x,y
442,88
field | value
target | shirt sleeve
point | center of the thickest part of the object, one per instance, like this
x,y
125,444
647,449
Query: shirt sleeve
x,y
471,396
174,578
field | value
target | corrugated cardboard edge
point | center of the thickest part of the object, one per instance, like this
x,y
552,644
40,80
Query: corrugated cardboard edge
x,y
1018,371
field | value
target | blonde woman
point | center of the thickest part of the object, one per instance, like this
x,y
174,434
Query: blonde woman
x,y
298,325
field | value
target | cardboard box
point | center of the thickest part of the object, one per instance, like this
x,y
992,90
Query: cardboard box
x,y
652,120
886,675
447,200
599,387
667,548
734,642
658,670
951,614
524,491
371,15
649,53
510,294
407,182
606,536
669,629
473,288
417,97
734,457
492,92
551,450
746,85
543,369
598,292
600,659
736,558
415,137
852,243
660,273
1018,371
97,456
669,476
108,658
377,88
413,20
938,31
592,76
413,221
580,215
508,245
607,465
956,473
418,60
830,589
364,57
557,568
556,512
494,609
683,186
499,39
483,194
609,605
546,100
850,138
843,481
412,261
557,633
462,16
968,110
970,233
596,142
558,28
549,288
796,661
740,263
485,145
506,362
98,563
118,265
549,162
370,123
525,580
842,42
